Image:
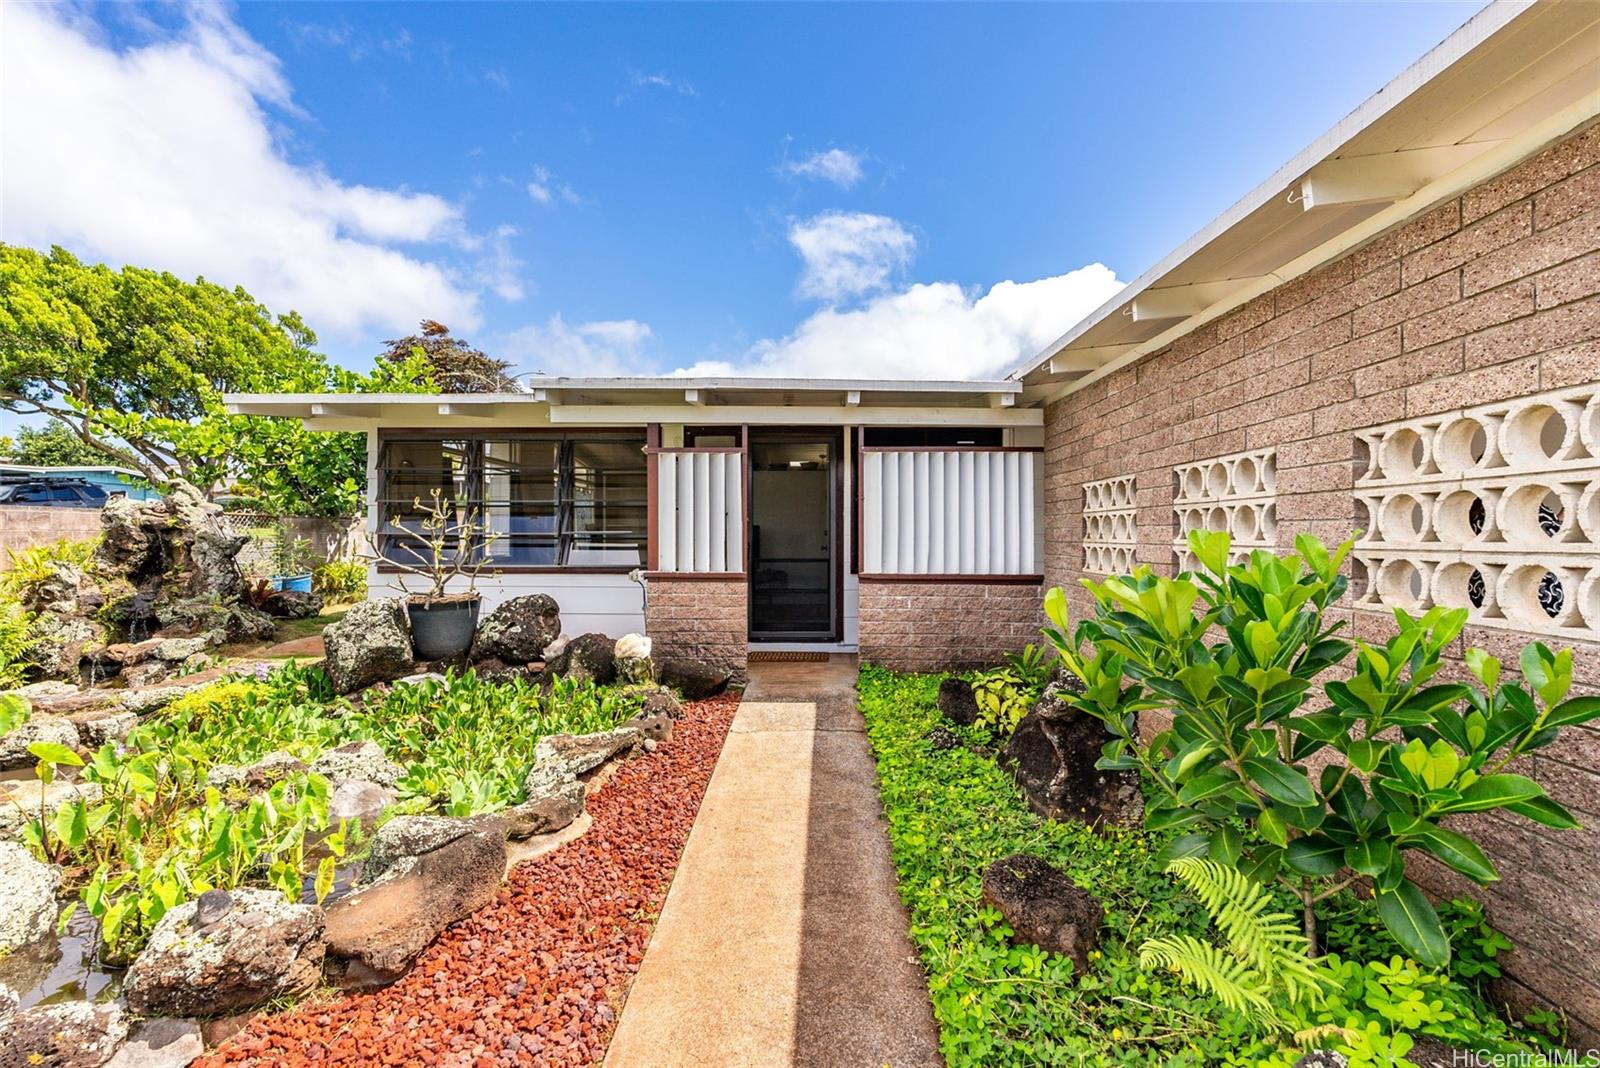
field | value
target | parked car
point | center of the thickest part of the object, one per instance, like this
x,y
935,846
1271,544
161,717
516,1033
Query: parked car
x,y
53,493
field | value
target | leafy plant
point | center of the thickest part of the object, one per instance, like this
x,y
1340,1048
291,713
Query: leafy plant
x,y
466,744
1233,653
290,555
49,756
1033,665
27,568
341,580
16,643
1263,958
1002,701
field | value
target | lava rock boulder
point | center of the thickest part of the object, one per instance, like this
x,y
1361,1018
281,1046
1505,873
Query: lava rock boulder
x,y
518,630
1052,756
372,643
1044,907
259,948
588,656
957,702
695,679
27,897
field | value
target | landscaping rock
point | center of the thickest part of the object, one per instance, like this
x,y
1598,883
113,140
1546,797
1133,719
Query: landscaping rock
x,y
148,673
14,746
163,1042
262,775
371,643
560,758
57,591
36,691
357,760
943,738
403,839
656,728
97,726
262,948
588,656
58,641
377,931
69,1034
1322,1058
518,630
294,604
177,650
359,801
1052,755
695,679
957,702
124,654
20,800
144,702
545,813
661,702
27,897
1044,907
631,655
500,672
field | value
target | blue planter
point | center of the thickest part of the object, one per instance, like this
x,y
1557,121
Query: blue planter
x,y
295,583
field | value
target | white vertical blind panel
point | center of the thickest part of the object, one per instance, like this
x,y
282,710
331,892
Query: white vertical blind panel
x,y
950,512
872,513
733,525
700,498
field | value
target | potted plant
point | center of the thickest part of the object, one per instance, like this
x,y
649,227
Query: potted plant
x,y
292,560
449,545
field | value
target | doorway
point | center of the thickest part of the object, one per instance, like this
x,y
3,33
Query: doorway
x,y
793,540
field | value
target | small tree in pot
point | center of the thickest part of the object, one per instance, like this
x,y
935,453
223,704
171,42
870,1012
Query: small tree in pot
x,y
292,559
449,545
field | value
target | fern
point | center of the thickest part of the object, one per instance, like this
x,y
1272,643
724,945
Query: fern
x,y
1264,953
1270,942
1225,977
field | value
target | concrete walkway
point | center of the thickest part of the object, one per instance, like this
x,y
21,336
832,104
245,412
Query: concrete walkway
x,y
783,941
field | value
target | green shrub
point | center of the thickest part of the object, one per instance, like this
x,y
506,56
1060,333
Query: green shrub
x,y
1235,652
26,568
16,643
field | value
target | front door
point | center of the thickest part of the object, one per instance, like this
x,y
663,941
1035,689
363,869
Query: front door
x,y
792,536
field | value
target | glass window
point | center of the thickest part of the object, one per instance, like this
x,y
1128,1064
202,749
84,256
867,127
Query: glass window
x,y
548,500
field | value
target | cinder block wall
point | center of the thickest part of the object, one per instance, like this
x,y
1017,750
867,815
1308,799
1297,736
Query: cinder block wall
x,y
23,527
1492,296
941,626
704,619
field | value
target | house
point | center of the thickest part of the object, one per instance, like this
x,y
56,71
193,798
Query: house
x,y
1397,332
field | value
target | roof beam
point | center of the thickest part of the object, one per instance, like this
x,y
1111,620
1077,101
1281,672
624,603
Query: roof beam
x,y
1089,358
471,413
1002,400
1379,179
693,396
852,399
1166,305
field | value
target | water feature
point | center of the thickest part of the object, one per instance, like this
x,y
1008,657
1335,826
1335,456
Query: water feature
x,y
61,967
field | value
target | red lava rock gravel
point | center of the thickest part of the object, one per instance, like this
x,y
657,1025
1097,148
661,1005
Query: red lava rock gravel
x,y
535,978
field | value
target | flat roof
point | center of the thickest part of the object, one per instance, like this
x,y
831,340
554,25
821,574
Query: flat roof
x,y
1515,77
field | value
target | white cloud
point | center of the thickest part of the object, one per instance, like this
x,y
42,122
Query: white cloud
x,y
164,155
929,331
544,188
846,254
641,80
602,348
835,165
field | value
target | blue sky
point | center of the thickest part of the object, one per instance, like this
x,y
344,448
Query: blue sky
x,y
831,189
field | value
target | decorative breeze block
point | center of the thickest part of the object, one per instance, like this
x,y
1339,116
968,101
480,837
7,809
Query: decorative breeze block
x,y
1109,525
1495,509
1236,493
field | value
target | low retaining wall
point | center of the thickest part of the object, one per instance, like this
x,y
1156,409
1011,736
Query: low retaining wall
x,y
23,527
947,625
700,618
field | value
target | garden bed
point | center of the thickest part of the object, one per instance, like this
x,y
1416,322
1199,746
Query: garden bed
x,y
539,975
952,811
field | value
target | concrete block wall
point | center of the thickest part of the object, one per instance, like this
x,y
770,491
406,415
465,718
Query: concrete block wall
x,y
1492,296
700,618
23,527
943,626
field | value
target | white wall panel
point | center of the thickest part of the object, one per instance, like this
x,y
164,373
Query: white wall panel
x,y
700,525
950,512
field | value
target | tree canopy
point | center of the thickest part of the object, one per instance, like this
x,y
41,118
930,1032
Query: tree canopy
x,y
50,445
456,366
133,364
